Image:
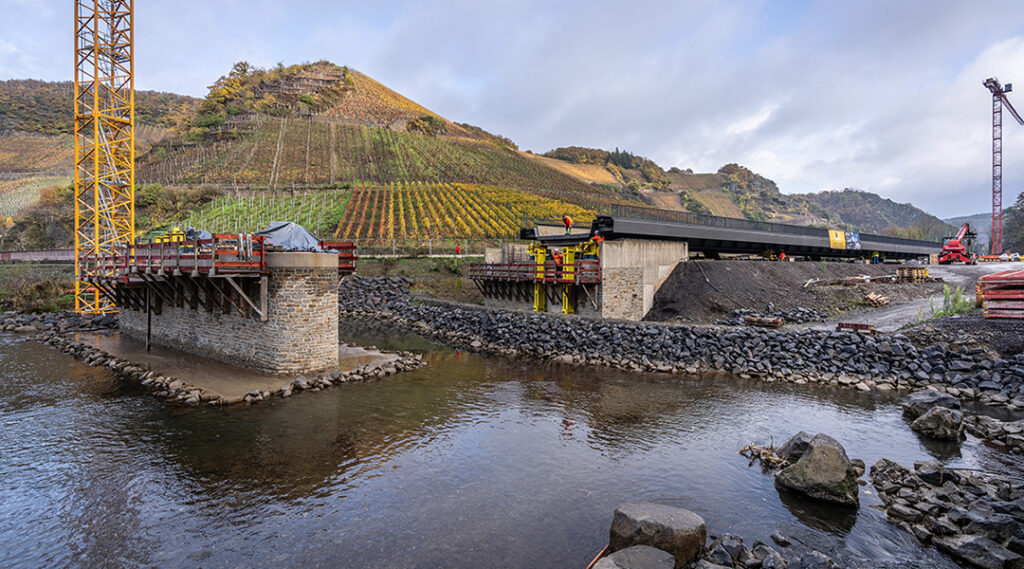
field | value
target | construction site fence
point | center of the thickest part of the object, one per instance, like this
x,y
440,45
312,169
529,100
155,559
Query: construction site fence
x,y
426,247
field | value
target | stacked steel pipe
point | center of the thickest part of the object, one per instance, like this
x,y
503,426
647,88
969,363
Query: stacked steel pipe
x,y
1001,295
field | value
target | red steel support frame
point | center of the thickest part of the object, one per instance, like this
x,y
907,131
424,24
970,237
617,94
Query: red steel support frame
x,y
997,172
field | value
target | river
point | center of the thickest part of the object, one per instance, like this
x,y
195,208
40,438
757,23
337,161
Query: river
x,y
470,462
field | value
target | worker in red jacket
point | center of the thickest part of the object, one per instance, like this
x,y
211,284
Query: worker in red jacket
x,y
567,222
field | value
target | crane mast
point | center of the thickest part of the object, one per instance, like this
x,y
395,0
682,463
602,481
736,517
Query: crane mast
x,y
104,142
999,100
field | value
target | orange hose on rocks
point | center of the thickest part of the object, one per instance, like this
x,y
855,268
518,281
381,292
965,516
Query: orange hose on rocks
x,y
599,556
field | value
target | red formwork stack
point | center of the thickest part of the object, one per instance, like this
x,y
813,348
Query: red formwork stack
x,y
1001,295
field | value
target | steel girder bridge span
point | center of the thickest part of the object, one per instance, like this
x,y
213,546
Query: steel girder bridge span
x,y
719,235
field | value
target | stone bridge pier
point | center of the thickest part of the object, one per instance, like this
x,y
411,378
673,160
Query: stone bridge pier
x,y
281,319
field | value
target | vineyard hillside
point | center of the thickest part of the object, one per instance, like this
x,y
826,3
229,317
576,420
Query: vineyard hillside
x,y
398,211
273,153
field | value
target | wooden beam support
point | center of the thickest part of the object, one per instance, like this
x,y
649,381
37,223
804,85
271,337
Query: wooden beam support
x,y
245,297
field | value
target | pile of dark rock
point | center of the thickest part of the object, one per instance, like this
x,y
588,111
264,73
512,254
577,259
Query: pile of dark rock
x,y
883,362
976,518
655,536
1009,434
28,323
798,315
356,293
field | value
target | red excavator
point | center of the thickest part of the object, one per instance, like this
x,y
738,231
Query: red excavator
x,y
954,247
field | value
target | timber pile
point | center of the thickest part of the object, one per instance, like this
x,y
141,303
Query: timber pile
x,y
764,322
877,300
912,274
1002,294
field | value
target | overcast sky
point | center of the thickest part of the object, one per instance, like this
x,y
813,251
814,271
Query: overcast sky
x,y
885,96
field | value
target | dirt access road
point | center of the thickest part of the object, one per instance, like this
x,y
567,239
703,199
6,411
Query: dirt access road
x,y
900,314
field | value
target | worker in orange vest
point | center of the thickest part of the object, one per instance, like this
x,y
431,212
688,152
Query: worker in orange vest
x,y
567,222
782,256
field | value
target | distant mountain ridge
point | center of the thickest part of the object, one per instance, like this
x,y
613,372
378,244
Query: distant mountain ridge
x,y
44,107
872,213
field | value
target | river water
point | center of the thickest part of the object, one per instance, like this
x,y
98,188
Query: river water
x,y
470,462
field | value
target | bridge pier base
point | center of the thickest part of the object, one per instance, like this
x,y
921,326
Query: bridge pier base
x,y
284,322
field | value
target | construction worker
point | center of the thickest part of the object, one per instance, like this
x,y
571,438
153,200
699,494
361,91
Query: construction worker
x,y
597,238
782,256
458,249
567,222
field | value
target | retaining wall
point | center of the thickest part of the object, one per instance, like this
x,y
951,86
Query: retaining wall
x,y
299,336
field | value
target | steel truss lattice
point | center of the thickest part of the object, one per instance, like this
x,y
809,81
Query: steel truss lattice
x,y
104,142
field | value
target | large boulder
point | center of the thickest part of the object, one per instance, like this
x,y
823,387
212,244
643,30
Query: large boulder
x,y
795,447
637,557
940,423
979,551
919,402
675,530
823,472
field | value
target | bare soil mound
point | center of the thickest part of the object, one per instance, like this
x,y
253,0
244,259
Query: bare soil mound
x,y
972,330
703,291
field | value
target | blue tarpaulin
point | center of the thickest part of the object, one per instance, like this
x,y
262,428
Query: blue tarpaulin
x,y
291,236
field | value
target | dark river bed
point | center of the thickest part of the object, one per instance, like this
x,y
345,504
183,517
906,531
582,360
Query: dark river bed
x,y
470,462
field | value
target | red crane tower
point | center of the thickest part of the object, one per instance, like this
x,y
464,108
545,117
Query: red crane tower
x,y
999,100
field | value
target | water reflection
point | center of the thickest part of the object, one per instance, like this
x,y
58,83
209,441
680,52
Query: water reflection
x,y
832,518
468,462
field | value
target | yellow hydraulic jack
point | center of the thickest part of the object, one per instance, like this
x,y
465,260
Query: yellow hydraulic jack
x,y
540,256
568,272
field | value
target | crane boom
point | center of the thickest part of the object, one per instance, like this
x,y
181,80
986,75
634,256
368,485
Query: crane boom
x,y
1012,110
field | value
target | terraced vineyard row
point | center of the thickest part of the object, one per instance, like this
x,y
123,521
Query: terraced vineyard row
x,y
415,210
285,153
370,101
21,152
319,212
16,195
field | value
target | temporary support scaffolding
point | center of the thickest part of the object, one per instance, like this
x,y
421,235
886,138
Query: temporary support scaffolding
x,y
563,276
224,273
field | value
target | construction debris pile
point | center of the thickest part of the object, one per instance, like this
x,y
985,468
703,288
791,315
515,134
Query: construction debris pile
x,y
1002,294
911,275
744,316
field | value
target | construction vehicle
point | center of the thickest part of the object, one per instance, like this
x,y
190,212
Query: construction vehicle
x,y
954,247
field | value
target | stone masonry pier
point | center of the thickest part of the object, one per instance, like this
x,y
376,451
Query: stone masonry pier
x,y
281,321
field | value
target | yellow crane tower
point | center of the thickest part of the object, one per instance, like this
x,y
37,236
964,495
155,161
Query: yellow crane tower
x,y
104,142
